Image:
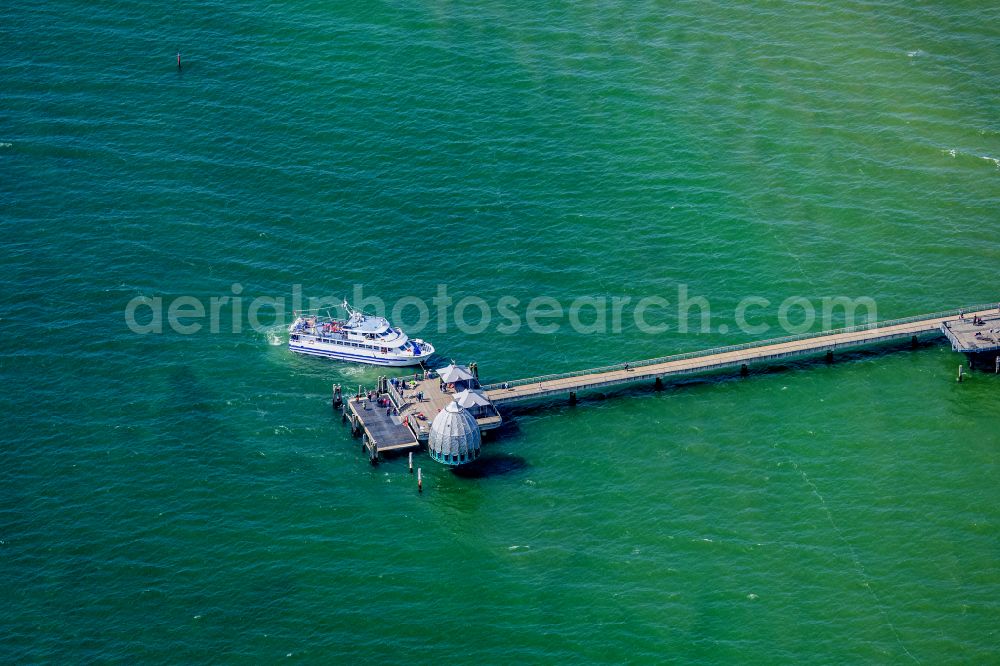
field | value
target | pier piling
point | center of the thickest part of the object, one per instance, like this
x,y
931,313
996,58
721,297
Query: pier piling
x,y
420,481
959,373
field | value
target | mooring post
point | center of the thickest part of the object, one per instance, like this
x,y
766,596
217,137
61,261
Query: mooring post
x,y
420,481
829,356
913,342
744,370
996,370
343,414
411,462
959,373
572,397
658,384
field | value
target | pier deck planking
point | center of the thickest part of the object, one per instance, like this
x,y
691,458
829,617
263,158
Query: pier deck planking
x,y
721,359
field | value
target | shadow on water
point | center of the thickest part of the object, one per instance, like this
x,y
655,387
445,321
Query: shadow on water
x,y
490,466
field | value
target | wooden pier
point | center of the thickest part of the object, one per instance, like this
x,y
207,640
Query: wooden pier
x,y
397,414
743,356
423,398
380,428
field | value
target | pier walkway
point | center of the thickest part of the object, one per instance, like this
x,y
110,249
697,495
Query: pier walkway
x,y
741,356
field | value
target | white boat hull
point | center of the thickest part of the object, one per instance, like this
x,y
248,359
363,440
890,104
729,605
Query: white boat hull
x,y
358,339
357,356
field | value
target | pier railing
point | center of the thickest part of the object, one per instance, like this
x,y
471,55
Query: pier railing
x,y
741,347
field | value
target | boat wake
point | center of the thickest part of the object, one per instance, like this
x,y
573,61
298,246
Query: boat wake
x,y
274,335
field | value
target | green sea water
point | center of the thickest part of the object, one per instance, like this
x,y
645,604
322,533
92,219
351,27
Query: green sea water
x,y
193,498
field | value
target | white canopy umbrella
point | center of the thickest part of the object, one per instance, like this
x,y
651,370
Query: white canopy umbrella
x,y
454,373
469,398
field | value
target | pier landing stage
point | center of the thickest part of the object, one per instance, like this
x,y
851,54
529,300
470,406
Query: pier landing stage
x,y
974,333
379,431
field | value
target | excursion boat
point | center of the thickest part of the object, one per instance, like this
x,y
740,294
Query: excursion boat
x,y
361,338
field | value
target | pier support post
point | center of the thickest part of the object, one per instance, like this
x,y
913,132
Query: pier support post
x,y
913,342
658,384
572,397
829,356
420,481
959,373
744,370
411,462
996,370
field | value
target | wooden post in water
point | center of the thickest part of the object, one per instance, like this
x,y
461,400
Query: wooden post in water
x,y
959,372
420,481
829,356
572,397
411,462
658,384
996,370
744,370
913,342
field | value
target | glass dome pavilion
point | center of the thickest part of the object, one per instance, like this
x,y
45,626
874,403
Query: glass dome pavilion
x,y
454,438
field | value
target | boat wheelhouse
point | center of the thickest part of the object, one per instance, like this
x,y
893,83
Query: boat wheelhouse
x,y
360,338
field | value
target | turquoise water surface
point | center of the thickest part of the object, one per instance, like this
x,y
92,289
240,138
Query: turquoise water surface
x,y
193,498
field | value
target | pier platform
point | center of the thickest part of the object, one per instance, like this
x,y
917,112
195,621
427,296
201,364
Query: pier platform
x,y
975,333
380,432
422,399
